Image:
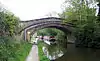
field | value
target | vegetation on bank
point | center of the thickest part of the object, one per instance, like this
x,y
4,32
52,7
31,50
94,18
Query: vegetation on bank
x,y
24,51
11,49
48,32
42,56
9,23
86,23
81,14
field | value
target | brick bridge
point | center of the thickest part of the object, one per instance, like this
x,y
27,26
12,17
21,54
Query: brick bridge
x,y
29,27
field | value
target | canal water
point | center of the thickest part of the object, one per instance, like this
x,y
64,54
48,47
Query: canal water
x,y
72,53
80,54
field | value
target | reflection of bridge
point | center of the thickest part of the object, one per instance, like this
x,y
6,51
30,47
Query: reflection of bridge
x,y
30,26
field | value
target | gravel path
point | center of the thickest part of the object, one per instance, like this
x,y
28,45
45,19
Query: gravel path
x,y
33,55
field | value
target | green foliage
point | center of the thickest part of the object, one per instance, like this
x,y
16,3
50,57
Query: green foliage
x,y
61,38
8,23
11,50
11,22
48,32
98,0
87,29
23,51
7,48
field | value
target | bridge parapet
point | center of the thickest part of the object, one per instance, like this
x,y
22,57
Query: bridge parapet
x,y
28,23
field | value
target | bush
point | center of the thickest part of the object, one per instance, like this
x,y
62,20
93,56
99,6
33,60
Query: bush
x,y
86,24
10,50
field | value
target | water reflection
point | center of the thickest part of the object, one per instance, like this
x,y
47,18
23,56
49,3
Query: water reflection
x,y
58,53
80,54
53,51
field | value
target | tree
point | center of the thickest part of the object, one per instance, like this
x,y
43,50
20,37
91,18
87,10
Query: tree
x,y
8,22
83,17
48,32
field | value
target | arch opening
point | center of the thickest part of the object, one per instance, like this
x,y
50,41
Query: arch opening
x,y
32,29
61,45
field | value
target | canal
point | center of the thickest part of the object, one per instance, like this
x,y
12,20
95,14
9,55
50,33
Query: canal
x,y
80,54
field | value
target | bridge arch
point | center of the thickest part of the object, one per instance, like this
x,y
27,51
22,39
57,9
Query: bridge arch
x,y
51,22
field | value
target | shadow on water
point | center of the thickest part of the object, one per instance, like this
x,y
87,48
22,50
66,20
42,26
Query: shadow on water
x,y
80,54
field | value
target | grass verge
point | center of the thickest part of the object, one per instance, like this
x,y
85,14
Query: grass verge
x,y
42,57
24,51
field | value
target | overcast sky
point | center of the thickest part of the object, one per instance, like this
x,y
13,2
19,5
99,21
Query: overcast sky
x,y
33,9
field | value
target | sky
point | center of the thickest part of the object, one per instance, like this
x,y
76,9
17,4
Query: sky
x,y
33,9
